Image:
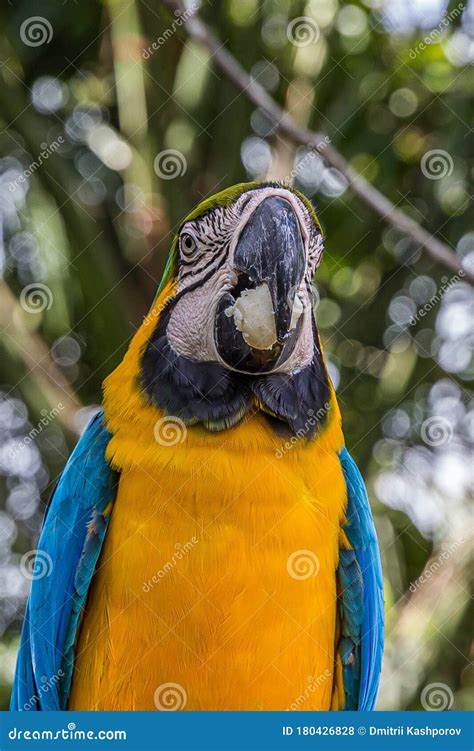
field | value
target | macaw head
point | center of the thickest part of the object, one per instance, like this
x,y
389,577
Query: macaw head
x,y
236,326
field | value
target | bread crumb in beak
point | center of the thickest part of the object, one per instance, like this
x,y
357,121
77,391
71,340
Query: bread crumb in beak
x,y
254,317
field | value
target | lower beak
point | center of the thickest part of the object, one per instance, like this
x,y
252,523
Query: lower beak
x,y
257,322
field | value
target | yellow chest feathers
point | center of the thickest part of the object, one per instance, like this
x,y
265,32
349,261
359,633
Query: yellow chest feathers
x,y
217,574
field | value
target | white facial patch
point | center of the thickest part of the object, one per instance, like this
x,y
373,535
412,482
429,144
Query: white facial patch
x,y
254,317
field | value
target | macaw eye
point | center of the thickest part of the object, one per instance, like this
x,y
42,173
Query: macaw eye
x,y
188,243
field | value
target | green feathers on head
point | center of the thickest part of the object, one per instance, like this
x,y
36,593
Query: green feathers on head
x,y
223,198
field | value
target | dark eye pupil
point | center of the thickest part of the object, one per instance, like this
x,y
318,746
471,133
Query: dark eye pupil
x,y
188,242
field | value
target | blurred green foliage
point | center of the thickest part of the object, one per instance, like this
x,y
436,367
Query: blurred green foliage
x,y
116,86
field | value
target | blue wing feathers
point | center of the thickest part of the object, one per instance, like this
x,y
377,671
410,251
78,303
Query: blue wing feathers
x,y
24,673
73,532
360,577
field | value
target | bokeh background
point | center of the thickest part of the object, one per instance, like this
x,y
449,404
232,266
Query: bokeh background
x,y
113,125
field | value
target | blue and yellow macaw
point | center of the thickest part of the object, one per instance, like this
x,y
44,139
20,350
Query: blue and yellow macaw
x,y
211,539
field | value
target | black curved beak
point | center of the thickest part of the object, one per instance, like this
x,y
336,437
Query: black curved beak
x,y
270,251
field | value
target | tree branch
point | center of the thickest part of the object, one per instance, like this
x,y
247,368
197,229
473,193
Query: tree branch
x,y
318,141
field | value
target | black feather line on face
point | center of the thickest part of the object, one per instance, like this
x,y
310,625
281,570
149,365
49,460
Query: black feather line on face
x,y
210,393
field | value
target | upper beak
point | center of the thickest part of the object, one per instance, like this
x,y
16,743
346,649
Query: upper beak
x,y
270,250
257,322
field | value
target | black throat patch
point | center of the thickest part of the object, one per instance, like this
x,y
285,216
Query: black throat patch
x,y
219,398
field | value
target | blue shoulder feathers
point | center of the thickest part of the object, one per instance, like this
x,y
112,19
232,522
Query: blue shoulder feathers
x,y
69,546
360,596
